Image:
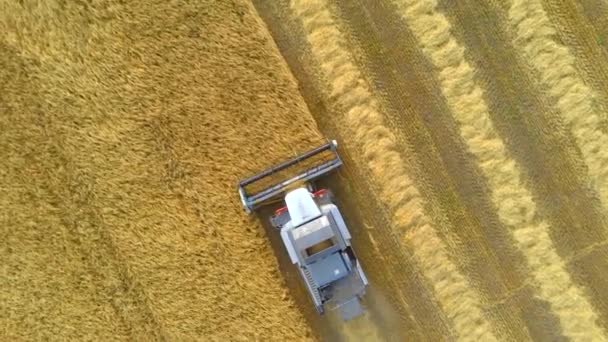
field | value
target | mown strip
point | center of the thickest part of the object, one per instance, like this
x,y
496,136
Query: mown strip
x,y
548,157
394,273
348,88
450,182
572,98
516,207
579,35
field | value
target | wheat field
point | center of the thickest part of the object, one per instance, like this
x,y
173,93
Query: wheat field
x,y
480,128
474,136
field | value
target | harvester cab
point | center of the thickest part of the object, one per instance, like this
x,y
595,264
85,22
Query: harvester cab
x,y
312,229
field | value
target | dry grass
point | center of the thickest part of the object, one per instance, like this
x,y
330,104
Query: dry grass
x,y
125,126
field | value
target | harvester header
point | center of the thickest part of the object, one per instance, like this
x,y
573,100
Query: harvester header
x,y
253,201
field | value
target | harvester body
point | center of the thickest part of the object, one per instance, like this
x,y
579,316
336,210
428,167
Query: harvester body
x,y
314,234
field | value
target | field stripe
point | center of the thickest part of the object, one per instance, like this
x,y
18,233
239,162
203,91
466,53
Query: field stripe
x,y
578,34
572,98
516,208
349,90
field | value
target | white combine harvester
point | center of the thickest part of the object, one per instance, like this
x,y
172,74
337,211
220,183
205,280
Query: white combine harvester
x,y
314,233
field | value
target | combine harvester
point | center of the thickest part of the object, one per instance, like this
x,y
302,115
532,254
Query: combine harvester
x,y
313,232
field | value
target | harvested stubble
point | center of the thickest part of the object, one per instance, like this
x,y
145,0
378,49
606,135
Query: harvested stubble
x,y
516,207
363,118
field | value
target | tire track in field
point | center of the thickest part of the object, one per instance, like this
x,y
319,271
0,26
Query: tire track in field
x,y
548,153
349,90
536,139
516,208
534,37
